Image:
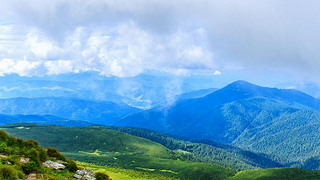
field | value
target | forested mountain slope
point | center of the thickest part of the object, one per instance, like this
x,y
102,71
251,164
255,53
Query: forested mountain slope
x,y
283,123
208,151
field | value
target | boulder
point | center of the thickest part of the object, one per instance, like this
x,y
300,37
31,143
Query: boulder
x,y
77,176
24,160
54,165
86,174
32,176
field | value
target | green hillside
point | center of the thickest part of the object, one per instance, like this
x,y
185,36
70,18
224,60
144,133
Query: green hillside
x,y
208,151
21,159
108,147
277,174
13,149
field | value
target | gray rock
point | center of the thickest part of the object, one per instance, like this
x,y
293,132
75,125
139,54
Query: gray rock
x,y
86,174
32,176
77,176
89,177
54,165
24,160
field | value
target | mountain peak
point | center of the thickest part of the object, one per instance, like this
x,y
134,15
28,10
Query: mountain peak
x,y
242,83
245,87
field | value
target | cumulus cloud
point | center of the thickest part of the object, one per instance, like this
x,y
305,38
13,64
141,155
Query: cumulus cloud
x,y
126,38
58,67
123,50
22,67
39,44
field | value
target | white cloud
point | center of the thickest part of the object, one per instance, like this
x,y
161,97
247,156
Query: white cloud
x,y
125,38
58,67
123,50
22,67
40,45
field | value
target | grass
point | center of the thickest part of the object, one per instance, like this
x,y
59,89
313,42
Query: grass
x,y
105,147
277,174
168,167
119,173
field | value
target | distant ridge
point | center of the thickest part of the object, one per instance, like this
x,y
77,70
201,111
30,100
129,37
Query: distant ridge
x,y
45,119
101,112
261,119
242,89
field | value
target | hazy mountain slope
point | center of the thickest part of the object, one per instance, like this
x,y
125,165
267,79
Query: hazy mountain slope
x,y
45,119
212,117
74,109
279,122
195,94
145,90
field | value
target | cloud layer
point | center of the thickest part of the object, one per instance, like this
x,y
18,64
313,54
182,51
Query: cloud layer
x,y
126,38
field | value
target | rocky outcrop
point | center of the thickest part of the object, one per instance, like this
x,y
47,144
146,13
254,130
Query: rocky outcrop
x,y
24,160
86,174
34,176
54,165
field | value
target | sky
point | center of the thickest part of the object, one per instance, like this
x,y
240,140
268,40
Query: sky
x,y
264,41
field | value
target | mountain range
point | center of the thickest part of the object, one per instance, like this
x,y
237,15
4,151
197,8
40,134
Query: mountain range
x,y
282,124
143,91
102,112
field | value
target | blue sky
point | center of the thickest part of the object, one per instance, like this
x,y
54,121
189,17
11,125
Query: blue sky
x,y
268,42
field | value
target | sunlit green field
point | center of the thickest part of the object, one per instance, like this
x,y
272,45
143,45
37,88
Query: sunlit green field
x,y
277,174
120,174
168,167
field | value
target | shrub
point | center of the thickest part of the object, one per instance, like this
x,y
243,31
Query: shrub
x,y
30,167
3,147
101,176
42,154
14,159
20,142
3,135
20,175
33,154
11,141
72,166
8,173
52,152
30,143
